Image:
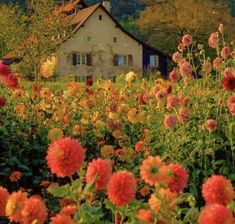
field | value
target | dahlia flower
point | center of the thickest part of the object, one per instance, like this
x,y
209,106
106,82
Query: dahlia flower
x,y
65,157
121,188
100,168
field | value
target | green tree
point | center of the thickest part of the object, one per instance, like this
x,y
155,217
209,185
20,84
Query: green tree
x,y
163,22
34,34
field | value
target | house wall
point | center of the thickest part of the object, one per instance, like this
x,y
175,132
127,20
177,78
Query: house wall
x,y
102,48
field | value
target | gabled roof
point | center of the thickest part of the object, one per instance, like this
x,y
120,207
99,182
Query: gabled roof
x,y
82,16
70,6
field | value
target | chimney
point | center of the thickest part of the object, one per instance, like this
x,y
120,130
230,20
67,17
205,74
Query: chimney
x,y
107,5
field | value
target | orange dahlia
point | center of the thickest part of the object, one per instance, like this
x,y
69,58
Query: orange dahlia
x,y
152,170
15,176
65,157
163,199
61,219
14,206
218,189
100,168
34,210
4,196
69,210
144,215
121,188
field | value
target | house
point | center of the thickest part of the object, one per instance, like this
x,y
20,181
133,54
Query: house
x,y
100,47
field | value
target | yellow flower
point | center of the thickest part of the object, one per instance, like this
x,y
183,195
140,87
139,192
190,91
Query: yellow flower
x,y
45,93
123,108
48,67
78,130
113,116
135,117
128,155
18,94
116,133
123,141
20,108
107,151
130,76
55,134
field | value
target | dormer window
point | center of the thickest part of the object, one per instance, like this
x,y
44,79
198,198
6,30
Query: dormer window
x,y
88,39
115,40
100,17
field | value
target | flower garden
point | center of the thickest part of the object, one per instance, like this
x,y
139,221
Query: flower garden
x,y
151,151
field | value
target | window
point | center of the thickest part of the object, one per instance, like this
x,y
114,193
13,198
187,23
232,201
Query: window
x,y
88,39
154,61
100,17
114,40
81,59
123,60
130,60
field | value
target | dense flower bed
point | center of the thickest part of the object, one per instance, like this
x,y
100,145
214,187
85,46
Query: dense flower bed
x,y
156,151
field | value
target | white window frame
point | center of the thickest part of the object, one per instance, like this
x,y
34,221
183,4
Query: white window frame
x,y
81,59
154,61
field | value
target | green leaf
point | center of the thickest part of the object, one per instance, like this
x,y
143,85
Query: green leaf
x,y
63,191
91,214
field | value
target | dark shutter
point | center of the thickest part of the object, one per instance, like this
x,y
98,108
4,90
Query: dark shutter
x,y
74,59
89,59
130,60
115,60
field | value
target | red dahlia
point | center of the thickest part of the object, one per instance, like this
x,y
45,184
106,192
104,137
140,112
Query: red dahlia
x,y
122,188
100,168
229,82
216,214
65,157
218,189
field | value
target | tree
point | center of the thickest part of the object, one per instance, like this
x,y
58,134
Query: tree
x,y
33,35
163,22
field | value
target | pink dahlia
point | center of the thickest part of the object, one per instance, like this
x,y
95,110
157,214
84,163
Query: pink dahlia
x,y
216,214
216,63
214,40
65,157
183,114
170,121
172,102
178,177
228,72
177,57
186,69
174,75
218,189
187,40
225,52
102,170
211,125
121,188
